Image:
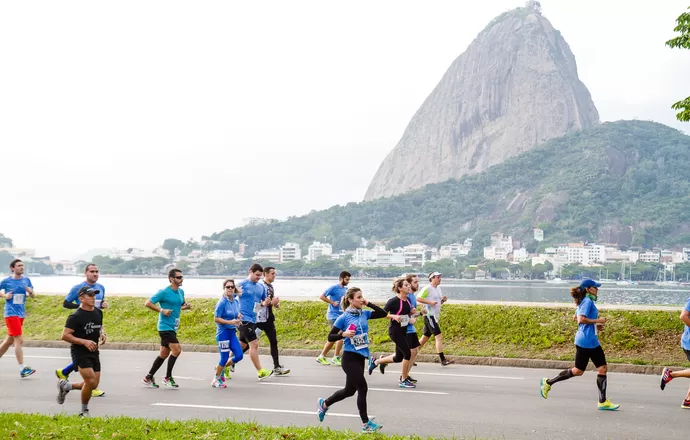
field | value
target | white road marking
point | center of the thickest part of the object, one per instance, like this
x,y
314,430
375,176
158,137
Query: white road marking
x,y
189,378
302,385
241,408
477,376
47,357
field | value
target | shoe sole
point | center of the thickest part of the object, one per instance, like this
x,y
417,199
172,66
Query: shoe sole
x,y
61,394
27,374
610,409
663,384
266,377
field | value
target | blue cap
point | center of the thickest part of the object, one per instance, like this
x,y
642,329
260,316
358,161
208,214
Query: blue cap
x,y
589,283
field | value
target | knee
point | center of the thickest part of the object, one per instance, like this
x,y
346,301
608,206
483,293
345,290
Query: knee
x,y
602,370
176,352
577,372
18,340
238,356
407,355
254,345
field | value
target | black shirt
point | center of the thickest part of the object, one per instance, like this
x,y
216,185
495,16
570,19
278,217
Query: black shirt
x,y
86,325
396,306
270,294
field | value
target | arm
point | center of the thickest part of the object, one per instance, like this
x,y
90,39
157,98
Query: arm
x,y
325,299
30,291
685,317
69,305
68,336
378,311
335,335
157,309
219,320
582,319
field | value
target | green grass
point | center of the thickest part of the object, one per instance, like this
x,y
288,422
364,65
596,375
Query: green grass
x,y
38,426
641,337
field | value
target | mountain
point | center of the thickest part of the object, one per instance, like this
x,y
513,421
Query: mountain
x,y
624,182
514,87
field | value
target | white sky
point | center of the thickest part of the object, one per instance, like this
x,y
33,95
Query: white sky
x,y
123,123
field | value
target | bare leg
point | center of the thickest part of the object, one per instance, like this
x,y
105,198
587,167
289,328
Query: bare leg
x,y
18,350
6,343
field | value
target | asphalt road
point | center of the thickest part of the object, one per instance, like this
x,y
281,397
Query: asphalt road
x,y
458,400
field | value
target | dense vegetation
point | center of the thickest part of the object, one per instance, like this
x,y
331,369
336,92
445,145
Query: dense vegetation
x,y
629,176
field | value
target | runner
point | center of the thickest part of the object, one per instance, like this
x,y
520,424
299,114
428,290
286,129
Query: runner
x,y
252,299
265,320
171,300
586,343
412,338
83,331
353,327
399,311
72,302
15,288
432,296
668,375
333,295
227,317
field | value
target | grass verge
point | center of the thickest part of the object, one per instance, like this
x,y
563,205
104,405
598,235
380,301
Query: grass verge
x,y
639,337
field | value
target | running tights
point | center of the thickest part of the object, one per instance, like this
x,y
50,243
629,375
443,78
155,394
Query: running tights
x,y
229,343
402,350
269,329
353,366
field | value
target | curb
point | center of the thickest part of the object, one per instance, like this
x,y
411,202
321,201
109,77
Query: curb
x,y
430,358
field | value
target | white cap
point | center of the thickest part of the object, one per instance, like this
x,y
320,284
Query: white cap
x,y
435,274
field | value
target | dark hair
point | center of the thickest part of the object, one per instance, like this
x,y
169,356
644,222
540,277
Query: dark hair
x,y
578,294
344,274
268,269
86,269
410,276
397,285
256,268
233,283
348,297
172,273
14,262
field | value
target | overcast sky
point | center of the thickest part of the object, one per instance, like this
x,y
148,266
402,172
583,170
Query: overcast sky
x,y
123,123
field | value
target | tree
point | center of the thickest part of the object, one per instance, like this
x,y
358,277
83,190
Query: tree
x,y
682,41
5,242
170,244
59,267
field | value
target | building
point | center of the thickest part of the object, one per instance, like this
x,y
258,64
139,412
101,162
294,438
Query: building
x,y
584,254
389,259
520,255
64,267
498,240
219,254
538,234
650,257
318,249
272,255
290,252
19,252
455,250
495,253
414,255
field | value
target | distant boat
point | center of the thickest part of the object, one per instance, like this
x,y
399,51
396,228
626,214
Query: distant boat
x,y
556,280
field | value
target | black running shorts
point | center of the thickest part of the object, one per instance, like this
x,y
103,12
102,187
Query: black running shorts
x,y
431,327
167,338
247,332
412,340
87,360
583,355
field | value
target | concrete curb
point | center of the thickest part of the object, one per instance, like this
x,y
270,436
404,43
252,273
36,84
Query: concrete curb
x,y
466,360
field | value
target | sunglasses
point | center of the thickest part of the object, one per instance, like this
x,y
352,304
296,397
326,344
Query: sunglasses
x,y
229,286
179,277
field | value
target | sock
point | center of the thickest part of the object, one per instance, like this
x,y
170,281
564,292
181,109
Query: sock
x,y
84,407
563,375
67,386
601,384
443,358
21,367
67,370
156,365
171,363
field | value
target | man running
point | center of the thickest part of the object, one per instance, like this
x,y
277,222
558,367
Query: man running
x,y
72,302
252,299
265,320
412,338
171,300
14,289
333,295
83,331
432,296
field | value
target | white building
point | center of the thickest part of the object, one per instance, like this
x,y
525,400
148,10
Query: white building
x,y
318,249
219,254
389,258
650,257
19,252
520,255
538,234
414,255
272,255
498,240
66,267
290,252
455,250
584,255
495,253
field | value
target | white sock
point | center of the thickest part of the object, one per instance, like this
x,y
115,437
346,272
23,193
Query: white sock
x,y
21,367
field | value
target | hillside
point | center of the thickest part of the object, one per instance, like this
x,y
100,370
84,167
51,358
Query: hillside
x,y
625,182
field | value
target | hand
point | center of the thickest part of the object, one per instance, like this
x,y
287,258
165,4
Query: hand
x,y
239,289
166,312
600,327
413,320
433,303
602,321
413,311
239,317
366,302
424,311
186,306
334,303
104,305
396,318
102,340
444,299
8,296
30,291
92,346
349,334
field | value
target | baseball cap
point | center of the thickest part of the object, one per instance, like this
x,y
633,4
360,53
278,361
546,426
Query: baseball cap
x,y
435,274
86,290
589,283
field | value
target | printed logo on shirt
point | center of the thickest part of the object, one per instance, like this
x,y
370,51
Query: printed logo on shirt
x,y
90,327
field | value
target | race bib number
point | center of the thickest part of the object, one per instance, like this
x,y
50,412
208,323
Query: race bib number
x,y
258,332
404,320
257,307
360,341
224,346
18,299
262,314
177,324
98,303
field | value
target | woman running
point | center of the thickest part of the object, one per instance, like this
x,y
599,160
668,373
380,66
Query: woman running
x,y
399,311
227,317
586,343
353,328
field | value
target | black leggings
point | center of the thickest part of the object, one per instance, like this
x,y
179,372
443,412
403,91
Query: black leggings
x,y
353,366
269,328
402,349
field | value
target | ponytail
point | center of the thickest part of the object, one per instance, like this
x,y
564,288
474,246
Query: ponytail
x,y
578,294
397,285
347,299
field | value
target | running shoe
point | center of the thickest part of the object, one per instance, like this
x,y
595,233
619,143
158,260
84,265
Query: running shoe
x,y
59,374
226,372
370,426
26,372
447,362
407,384
265,374
414,364
62,392
281,371
608,406
382,367
84,414
170,382
97,393
685,404
666,378
372,365
218,383
150,382
321,409
410,378
322,360
545,388
336,361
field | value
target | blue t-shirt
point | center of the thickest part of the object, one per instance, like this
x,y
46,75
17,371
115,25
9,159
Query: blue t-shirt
x,y
73,295
685,340
334,293
413,303
15,306
361,323
252,295
226,309
586,336
172,300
